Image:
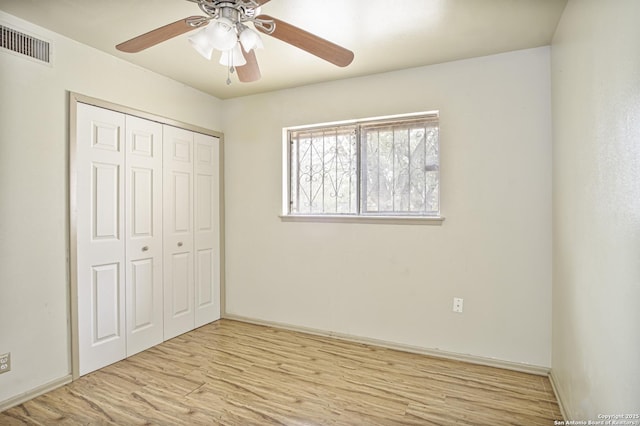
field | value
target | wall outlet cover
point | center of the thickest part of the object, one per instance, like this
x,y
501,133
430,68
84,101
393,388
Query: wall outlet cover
x,y
5,363
457,304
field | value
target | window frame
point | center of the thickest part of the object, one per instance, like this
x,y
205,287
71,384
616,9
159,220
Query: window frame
x,y
361,215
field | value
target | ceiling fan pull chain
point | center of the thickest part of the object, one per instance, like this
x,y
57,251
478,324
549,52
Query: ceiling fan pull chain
x,y
230,68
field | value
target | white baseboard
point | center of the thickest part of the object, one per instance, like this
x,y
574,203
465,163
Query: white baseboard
x,y
554,386
42,389
472,359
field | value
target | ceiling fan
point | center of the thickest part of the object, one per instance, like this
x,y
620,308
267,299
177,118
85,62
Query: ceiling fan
x,y
230,35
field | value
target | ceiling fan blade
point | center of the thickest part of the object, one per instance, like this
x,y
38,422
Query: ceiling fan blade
x,y
250,71
311,43
161,34
261,2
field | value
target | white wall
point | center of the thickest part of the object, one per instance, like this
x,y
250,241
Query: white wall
x,y
34,311
596,208
396,282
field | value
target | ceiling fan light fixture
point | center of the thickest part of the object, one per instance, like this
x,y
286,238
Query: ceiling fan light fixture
x,y
250,39
233,57
226,31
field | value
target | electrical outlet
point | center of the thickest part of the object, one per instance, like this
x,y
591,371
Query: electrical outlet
x,y
5,363
457,304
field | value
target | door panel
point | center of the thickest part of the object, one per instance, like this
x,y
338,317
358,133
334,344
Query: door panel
x,y
181,194
181,266
143,143
205,203
105,296
178,231
204,278
105,194
142,289
100,247
107,134
207,229
145,322
142,202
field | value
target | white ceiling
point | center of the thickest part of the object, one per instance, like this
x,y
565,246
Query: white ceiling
x,y
385,35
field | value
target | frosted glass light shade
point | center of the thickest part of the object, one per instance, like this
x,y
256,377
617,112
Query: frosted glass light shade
x,y
233,57
250,39
201,41
223,34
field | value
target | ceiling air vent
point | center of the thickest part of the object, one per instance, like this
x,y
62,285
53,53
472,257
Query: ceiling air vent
x,y
24,44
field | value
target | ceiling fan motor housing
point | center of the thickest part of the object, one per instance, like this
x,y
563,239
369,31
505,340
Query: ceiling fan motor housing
x,y
238,10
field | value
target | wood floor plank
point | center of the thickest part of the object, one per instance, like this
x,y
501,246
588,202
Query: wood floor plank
x,y
233,373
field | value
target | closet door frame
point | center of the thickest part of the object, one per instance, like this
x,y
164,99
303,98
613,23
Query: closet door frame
x,y
74,100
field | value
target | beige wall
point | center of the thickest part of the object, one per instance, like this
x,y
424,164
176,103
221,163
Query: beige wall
x,y
387,282
596,208
34,310
396,282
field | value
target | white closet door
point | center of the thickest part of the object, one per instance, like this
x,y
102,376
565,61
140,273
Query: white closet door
x,y
178,231
143,230
207,229
100,237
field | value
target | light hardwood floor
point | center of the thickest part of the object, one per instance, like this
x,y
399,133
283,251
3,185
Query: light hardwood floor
x,y
235,373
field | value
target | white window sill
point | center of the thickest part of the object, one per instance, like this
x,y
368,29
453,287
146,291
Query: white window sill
x,y
394,220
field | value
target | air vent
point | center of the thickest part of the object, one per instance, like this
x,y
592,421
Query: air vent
x,y
24,44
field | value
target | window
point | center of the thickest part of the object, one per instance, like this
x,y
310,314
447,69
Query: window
x,y
379,167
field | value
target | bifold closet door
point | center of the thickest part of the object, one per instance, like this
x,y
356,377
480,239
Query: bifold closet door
x,y
191,230
99,212
119,236
147,243
143,230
